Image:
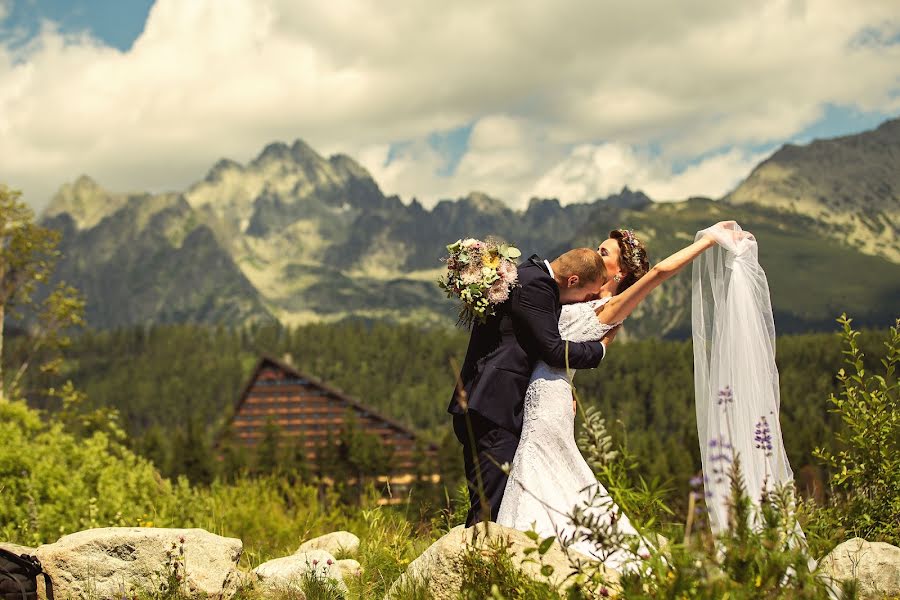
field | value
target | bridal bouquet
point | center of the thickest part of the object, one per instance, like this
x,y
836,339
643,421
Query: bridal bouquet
x,y
481,275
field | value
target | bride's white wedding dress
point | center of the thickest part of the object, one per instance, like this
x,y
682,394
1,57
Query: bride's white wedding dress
x,y
548,475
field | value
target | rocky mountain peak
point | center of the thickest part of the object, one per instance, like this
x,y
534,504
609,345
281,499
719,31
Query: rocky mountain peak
x,y
345,165
297,154
222,166
629,199
484,203
543,204
302,152
276,151
85,201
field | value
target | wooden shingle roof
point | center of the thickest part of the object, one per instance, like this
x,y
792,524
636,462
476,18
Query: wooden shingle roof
x,y
270,361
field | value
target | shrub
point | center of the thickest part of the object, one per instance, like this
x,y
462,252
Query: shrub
x,y
865,469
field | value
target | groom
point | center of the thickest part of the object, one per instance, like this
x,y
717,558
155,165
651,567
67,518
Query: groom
x,y
501,356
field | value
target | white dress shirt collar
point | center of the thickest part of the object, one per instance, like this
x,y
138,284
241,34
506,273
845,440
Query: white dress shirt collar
x,y
549,268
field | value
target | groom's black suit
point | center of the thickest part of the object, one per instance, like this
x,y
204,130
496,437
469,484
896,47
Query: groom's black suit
x,y
501,356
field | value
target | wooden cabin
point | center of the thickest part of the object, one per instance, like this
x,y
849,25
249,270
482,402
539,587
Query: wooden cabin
x,y
306,408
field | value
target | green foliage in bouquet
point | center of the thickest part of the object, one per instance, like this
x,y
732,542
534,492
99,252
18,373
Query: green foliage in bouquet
x,y
480,274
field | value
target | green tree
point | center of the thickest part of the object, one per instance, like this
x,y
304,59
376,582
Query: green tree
x,y
233,455
268,449
155,448
28,255
295,465
192,455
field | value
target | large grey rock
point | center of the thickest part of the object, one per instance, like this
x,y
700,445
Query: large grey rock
x,y
16,549
99,563
288,572
436,572
876,565
337,544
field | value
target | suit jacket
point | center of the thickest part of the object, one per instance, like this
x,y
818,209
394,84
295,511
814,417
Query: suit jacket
x,y
503,351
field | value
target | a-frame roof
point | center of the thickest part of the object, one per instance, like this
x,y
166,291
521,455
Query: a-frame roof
x,y
266,360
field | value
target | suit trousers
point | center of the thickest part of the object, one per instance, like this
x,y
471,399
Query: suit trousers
x,y
493,446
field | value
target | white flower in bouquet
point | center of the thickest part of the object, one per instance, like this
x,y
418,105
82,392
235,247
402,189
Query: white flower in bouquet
x,y
508,272
498,292
470,275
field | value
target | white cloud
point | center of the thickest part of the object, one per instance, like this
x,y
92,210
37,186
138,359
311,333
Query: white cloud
x,y
713,176
592,172
213,78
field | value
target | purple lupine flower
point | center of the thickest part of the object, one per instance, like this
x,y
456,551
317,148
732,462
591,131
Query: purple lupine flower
x,y
719,458
763,436
696,482
726,396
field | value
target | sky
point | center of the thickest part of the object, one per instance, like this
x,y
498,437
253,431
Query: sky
x,y
516,99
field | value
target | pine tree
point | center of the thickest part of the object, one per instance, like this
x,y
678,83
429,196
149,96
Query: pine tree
x,y
268,450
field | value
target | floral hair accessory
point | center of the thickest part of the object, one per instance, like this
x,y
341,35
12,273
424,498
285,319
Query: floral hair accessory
x,y
481,275
638,255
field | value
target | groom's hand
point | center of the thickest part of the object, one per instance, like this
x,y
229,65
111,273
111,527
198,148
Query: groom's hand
x,y
610,336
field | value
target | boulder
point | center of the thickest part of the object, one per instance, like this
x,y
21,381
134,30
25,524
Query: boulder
x,y
876,565
103,562
288,572
16,549
436,572
349,568
339,543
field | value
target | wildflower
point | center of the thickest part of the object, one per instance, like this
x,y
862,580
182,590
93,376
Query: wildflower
x,y
719,458
726,396
315,561
763,436
329,562
604,592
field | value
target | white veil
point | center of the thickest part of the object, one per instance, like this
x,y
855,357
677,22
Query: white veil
x,y
736,381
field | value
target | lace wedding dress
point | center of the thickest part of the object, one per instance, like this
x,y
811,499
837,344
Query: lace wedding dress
x,y
548,476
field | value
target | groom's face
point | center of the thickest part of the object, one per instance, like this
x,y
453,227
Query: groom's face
x,y
574,290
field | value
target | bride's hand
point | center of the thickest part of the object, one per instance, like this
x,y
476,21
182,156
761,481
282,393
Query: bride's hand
x,y
733,230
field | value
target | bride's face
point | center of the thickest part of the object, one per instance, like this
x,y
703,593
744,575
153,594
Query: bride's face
x,y
609,250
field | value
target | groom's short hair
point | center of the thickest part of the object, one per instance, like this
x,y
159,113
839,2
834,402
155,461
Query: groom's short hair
x,y
584,262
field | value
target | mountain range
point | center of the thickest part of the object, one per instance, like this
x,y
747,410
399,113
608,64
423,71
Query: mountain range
x,y
296,237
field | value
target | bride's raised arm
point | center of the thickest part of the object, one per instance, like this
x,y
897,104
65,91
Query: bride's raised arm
x,y
622,305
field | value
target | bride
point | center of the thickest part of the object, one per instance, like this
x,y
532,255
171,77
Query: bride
x,y
548,477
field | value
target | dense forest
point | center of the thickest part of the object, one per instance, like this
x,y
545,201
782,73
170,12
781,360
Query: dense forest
x,y
174,387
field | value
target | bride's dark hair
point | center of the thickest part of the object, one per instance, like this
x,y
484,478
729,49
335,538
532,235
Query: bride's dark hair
x,y
632,258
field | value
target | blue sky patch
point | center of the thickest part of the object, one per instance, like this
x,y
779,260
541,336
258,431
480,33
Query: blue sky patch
x,y
116,23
